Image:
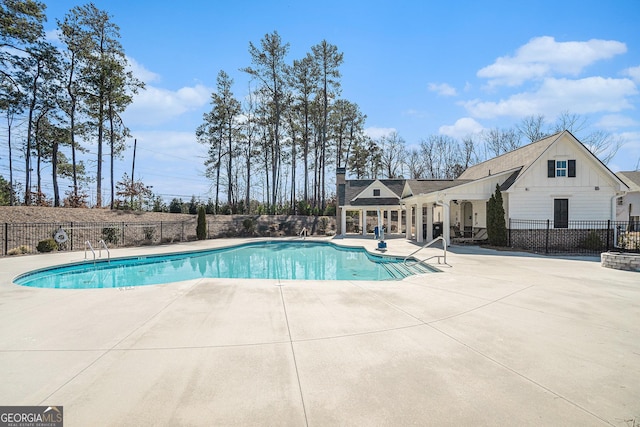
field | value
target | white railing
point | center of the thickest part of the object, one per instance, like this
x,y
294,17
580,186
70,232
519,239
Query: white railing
x,y
88,243
426,245
101,245
104,245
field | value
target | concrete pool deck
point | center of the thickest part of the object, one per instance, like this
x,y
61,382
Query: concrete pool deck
x,y
497,338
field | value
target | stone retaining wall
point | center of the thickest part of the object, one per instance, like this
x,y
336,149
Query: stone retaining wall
x,y
621,261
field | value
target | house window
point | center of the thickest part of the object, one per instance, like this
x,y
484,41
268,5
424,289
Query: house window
x,y
561,168
560,213
376,193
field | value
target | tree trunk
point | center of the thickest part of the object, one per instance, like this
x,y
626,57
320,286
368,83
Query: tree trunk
x,y
32,107
99,166
72,124
54,174
11,195
112,140
230,161
218,166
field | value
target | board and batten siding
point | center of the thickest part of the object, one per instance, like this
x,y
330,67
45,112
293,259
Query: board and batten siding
x,y
539,205
589,194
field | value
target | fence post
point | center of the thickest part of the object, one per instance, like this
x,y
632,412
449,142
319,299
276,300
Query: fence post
x,y
160,232
608,232
123,235
509,242
546,240
71,237
6,238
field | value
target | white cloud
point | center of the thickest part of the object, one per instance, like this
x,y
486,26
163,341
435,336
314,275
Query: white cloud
x,y
52,36
442,89
171,161
544,56
140,72
615,121
582,96
461,128
628,157
154,106
171,145
416,113
633,72
375,133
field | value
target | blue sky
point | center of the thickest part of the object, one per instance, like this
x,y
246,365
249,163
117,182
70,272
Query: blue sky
x,y
416,67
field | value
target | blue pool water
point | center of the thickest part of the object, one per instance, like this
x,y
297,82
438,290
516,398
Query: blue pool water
x,y
265,260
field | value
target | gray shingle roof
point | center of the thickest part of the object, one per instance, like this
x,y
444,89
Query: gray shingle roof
x,y
631,178
425,186
519,158
375,201
354,187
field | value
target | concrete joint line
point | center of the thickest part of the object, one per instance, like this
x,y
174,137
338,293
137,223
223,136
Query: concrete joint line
x,y
293,354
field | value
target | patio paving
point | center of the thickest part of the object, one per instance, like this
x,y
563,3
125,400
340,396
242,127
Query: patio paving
x,y
496,338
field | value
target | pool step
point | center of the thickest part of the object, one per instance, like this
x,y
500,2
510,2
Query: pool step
x,y
400,270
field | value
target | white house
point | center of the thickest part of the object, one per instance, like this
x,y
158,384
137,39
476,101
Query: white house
x,y
369,197
629,204
556,178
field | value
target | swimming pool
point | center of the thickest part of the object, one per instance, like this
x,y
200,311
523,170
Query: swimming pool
x,y
289,260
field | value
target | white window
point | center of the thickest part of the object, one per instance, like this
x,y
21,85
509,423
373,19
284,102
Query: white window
x,y
561,168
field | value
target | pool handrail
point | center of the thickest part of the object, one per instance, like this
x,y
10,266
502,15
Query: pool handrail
x,y
103,245
444,255
88,243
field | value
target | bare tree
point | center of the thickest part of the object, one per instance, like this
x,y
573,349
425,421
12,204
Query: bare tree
x,y
532,128
443,157
393,153
574,123
500,141
415,164
603,145
469,152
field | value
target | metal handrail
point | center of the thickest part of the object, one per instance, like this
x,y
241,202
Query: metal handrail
x,y
88,243
444,245
101,242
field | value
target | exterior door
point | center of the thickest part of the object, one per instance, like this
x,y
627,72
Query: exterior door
x,y
467,220
560,213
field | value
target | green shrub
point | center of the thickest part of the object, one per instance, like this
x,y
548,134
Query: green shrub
x,y
201,228
110,235
149,233
47,245
323,221
496,225
20,250
249,226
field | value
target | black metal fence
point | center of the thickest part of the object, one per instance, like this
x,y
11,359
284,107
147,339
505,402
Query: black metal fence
x,y
574,237
70,236
24,238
